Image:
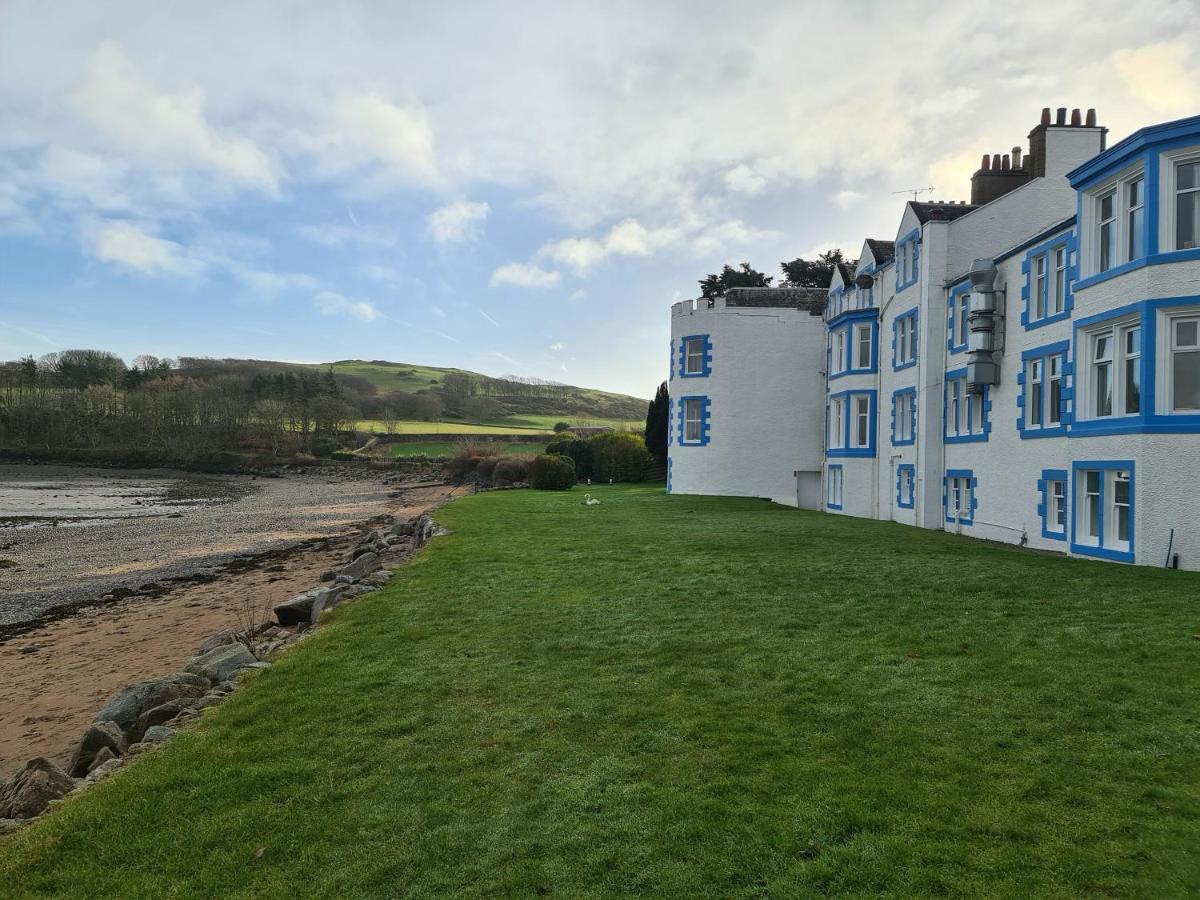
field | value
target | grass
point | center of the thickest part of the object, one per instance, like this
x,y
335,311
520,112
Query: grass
x,y
691,697
449,448
459,428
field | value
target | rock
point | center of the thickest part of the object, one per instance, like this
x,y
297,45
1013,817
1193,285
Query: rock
x,y
104,770
329,602
357,590
401,529
363,565
158,734
104,755
362,550
160,715
32,788
379,578
220,639
100,736
222,663
127,704
299,608
328,575
10,826
344,579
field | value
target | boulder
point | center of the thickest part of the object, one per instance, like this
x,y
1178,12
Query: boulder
x,y
127,704
100,736
220,639
329,602
379,578
158,734
363,565
401,529
9,826
32,788
161,715
103,770
104,755
221,663
299,608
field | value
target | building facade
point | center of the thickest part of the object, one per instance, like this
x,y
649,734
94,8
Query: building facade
x,y
1023,367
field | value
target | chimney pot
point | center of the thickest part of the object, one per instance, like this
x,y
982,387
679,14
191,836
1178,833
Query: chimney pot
x,y
1045,115
1060,117
1016,157
1005,162
996,161
1091,118
986,163
1075,119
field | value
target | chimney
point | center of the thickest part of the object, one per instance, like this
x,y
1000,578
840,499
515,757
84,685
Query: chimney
x,y
1075,120
1091,118
1016,157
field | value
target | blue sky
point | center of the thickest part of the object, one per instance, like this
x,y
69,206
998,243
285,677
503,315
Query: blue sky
x,y
513,188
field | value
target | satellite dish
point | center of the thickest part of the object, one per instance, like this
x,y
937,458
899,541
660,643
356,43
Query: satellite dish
x,y
864,281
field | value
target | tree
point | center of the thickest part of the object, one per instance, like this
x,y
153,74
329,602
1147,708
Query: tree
x,y
816,273
388,417
481,409
713,286
657,423
560,427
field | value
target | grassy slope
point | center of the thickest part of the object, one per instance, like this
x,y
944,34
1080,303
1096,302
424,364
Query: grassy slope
x,y
688,697
449,448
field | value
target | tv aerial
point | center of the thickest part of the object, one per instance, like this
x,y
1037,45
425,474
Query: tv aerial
x,y
916,191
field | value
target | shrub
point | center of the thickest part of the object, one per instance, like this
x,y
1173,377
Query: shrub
x,y
552,472
621,457
561,426
343,454
463,462
485,466
578,450
322,447
511,469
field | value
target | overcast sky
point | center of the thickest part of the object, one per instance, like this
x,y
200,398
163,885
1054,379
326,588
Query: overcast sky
x,y
513,188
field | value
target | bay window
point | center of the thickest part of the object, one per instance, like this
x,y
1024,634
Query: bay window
x,y
1114,382
1106,229
839,351
837,423
1135,218
852,417
1187,205
1185,364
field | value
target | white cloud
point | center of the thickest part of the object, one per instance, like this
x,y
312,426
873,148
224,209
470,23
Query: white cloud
x,y
556,347
168,131
400,138
329,303
129,247
847,198
744,180
1159,76
456,221
523,275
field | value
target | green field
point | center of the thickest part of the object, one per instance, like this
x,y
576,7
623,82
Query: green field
x,y
684,697
449,448
503,425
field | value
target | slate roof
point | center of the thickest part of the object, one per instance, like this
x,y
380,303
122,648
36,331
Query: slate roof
x,y
847,270
940,212
883,251
811,300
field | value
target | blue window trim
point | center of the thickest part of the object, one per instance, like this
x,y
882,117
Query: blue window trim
x,y
847,321
973,484
896,442
1058,348
1070,241
705,421
911,470
1043,509
953,303
828,503
670,464
913,314
985,405
847,423
683,345
914,276
1103,465
671,363
1147,421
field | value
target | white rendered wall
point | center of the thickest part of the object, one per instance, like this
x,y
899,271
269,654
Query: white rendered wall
x,y
767,409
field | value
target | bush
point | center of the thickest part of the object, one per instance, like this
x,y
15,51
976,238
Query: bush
x,y
485,466
552,472
322,447
561,426
463,462
511,469
621,457
578,450
343,454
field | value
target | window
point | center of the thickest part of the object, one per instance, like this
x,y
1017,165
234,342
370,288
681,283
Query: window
x,y
833,498
959,497
1106,218
695,352
966,413
1103,523
904,416
837,423
1187,204
1049,276
906,477
1053,507
862,345
839,351
1039,286
957,326
1059,294
1041,387
852,423
904,340
908,255
1114,383
1185,364
694,421
1135,219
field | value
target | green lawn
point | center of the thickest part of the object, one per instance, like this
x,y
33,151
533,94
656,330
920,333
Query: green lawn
x,y
449,448
675,696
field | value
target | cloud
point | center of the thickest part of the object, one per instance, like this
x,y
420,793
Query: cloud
x,y
847,198
400,138
329,303
744,180
1159,76
456,221
167,131
556,347
133,249
523,275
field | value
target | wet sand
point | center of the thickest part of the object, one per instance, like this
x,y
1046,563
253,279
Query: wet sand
x,y
58,672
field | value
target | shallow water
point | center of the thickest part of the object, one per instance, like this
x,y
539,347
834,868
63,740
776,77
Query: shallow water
x,y
33,501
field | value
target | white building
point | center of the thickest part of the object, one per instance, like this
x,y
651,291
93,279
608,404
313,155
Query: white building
x,y
1024,367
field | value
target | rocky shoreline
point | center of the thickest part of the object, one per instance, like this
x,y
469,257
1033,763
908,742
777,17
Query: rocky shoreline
x,y
146,714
